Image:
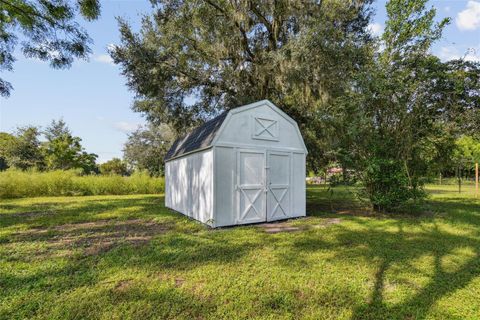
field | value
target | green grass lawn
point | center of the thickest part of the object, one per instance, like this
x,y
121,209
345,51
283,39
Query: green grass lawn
x,y
127,257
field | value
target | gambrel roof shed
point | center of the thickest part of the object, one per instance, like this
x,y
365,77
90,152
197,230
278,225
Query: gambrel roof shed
x,y
245,166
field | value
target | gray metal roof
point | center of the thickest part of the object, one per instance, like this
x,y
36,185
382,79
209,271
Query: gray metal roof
x,y
201,137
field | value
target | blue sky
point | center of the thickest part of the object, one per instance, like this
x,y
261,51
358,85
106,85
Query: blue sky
x,y
94,101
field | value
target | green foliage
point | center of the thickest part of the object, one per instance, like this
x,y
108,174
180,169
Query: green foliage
x,y
17,184
442,150
114,166
394,119
63,151
456,95
49,30
467,148
23,150
193,59
7,142
147,147
410,31
387,185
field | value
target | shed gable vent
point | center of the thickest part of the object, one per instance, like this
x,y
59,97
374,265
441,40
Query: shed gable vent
x,y
265,129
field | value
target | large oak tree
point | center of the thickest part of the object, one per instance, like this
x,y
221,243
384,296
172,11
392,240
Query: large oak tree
x,y
193,59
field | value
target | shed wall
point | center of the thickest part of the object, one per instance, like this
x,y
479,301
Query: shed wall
x,y
226,201
240,130
225,175
189,185
298,185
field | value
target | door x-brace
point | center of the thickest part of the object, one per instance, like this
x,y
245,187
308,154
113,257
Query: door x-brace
x,y
279,201
251,203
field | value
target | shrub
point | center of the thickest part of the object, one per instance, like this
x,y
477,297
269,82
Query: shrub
x,y
17,184
387,185
114,166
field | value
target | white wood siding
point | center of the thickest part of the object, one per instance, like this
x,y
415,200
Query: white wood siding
x,y
189,185
239,131
225,193
298,185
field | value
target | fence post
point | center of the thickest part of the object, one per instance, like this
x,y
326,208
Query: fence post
x,y
476,180
459,178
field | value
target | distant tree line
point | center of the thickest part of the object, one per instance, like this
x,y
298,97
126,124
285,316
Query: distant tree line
x,y
144,150
466,153
56,148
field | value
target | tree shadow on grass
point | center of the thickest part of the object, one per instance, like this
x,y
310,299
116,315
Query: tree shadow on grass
x,y
27,290
149,234
441,283
465,211
130,299
89,238
413,239
78,290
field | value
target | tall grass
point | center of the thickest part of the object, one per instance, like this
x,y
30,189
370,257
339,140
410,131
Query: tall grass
x,y
18,184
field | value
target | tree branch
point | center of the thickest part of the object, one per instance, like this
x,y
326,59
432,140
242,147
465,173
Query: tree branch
x,y
29,14
239,27
272,37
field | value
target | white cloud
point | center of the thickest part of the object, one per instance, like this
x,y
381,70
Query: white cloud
x,y
452,53
448,53
473,54
126,127
469,19
375,29
103,58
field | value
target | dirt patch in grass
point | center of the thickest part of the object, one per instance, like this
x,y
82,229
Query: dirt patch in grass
x,y
95,237
179,282
30,214
122,286
277,227
98,248
328,222
357,212
360,211
286,226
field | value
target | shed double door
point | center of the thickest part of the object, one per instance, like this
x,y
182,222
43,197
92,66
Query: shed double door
x,y
263,186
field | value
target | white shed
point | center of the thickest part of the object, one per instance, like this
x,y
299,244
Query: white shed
x,y
245,166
